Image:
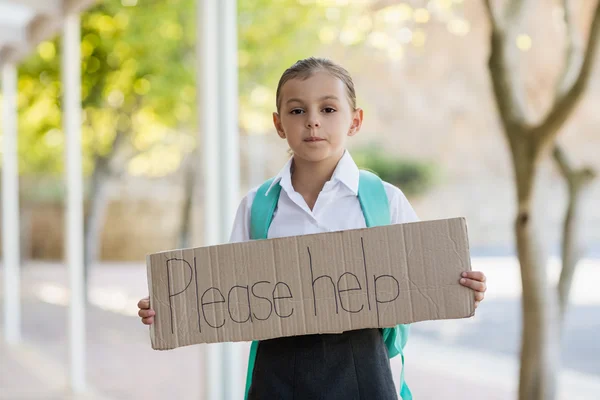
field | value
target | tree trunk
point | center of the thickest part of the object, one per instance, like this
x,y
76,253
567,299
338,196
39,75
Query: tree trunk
x,y
570,252
94,221
189,178
537,366
572,249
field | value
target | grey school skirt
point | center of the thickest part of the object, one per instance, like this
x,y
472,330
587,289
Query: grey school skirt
x,y
350,365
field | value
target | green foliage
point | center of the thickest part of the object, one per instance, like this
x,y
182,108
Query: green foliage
x,y
131,58
139,80
413,177
273,35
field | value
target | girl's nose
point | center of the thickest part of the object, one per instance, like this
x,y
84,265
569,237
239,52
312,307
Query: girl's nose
x,y
312,123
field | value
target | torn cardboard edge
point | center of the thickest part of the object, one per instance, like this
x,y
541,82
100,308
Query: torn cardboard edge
x,y
320,283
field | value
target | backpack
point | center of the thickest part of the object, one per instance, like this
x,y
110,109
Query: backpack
x,y
374,204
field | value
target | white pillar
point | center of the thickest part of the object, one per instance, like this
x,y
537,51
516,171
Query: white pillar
x,y
230,168
208,118
229,122
10,207
208,115
71,77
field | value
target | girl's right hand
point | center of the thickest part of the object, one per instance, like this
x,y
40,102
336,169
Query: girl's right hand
x,y
146,313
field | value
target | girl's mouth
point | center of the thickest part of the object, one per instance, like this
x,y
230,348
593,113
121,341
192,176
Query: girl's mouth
x,y
313,139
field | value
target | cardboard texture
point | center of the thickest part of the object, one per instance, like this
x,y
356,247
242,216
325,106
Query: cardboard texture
x,y
322,283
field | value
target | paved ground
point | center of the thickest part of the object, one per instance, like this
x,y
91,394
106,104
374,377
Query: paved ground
x,y
449,359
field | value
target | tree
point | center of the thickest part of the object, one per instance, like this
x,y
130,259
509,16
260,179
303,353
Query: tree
x,y
130,104
138,77
527,141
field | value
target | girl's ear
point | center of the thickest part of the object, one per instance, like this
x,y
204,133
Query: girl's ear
x,y
357,119
278,126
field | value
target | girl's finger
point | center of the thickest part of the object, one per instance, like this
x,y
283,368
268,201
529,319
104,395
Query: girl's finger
x,y
148,321
146,313
144,303
475,275
476,304
475,285
479,296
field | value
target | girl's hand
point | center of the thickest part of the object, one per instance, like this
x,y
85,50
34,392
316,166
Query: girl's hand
x,y
475,280
146,313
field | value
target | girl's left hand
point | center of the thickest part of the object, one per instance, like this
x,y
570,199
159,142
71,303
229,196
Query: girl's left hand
x,y
475,280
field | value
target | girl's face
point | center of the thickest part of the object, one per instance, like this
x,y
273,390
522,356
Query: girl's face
x,y
316,117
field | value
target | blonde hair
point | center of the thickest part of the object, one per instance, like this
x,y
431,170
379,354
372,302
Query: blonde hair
x,y
304,69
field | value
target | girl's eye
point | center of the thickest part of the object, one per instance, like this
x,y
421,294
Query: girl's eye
x,y
297,111
329,110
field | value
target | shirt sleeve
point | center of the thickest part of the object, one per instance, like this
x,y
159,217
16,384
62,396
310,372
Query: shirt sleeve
x,y
241,225
401,211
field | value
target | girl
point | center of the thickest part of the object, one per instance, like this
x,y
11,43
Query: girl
x,y
318,192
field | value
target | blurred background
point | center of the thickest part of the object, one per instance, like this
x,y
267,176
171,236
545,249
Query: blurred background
x,y
101,169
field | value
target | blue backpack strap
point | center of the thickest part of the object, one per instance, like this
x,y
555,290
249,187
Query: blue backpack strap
x,y
251,361
373,200
261,216
374,203
263,208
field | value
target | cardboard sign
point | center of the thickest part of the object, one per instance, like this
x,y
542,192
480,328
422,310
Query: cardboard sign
x,y
322,283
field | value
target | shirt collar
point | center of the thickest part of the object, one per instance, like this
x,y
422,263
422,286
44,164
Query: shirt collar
x,y
345,172
284,176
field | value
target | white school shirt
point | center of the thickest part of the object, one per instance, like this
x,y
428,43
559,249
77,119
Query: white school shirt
x,y
337,207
